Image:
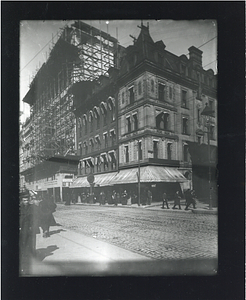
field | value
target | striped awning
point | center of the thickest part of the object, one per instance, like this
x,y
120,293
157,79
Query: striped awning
x,y
149,174
100,180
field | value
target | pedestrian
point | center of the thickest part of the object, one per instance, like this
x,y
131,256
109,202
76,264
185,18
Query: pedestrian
x,y
47,208
164,200
102,198
114,198
190,199
28,228
118,197
124,197
177,198
149,197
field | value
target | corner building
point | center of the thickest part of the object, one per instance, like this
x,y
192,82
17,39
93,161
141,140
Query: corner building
x,y
145,116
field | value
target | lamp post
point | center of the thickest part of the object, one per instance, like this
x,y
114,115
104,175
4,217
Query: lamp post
x,y
208,113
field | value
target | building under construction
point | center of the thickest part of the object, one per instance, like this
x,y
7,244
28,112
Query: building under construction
x,y
81,53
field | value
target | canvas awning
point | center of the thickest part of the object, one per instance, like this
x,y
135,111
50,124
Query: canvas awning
x,y
149,174
100,180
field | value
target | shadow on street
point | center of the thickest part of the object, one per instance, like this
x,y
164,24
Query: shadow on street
x,y
44,252
56,231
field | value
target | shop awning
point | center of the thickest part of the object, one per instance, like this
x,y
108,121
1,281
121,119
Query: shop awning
x,y
80,182
100,180
149,174
104,179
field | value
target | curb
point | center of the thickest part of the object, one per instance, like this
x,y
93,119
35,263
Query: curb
x,y
154,206
205,211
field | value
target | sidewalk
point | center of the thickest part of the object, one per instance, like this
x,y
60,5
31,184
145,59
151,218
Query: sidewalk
x,y
201,208
67,253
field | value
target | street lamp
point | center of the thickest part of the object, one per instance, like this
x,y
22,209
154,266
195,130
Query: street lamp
x,y
208,113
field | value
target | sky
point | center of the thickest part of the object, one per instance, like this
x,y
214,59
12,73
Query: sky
x,y
36,41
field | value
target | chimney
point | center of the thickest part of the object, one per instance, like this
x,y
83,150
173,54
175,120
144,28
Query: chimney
x,y
195,56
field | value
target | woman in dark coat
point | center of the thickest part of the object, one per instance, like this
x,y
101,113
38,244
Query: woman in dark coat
x,y
47,207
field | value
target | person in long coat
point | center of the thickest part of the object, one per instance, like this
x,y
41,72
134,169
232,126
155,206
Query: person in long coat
x,y
177,199
164,200
28,228
47,207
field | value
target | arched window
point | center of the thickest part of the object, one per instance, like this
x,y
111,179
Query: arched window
x,y
111,105
97,116
85,123
169,151
104,112
91,121
162,121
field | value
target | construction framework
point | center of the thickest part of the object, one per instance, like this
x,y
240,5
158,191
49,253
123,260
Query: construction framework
x,y
81,53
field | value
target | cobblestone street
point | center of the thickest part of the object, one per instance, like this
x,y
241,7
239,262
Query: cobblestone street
x,y
157,234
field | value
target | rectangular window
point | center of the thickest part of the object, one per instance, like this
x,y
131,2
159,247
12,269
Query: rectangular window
x,y
113,137
135,120
80,149
131,92
185,126
211,104
92,146
86,148
85,164
166,121
170,93
98,164
155,149
126,154
161,92
184,99
186,153
123,98
140,150
198,115
169,151
105,163
212,137
106,140
128,120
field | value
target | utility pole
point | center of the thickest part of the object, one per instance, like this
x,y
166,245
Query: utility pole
x,y
208,113
139,187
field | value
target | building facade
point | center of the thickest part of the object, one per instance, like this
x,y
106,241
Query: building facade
x,y
81,54
159,98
